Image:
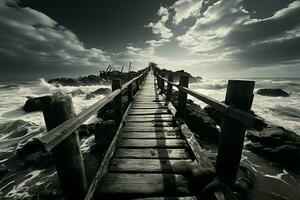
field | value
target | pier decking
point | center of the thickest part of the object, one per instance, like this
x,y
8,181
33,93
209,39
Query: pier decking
x,y
145,156
150,144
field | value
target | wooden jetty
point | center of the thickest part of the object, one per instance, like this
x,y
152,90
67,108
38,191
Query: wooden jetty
x,y
152,141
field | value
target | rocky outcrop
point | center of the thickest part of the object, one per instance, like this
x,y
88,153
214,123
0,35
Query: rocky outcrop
x,y
100,91
65,81
276,144
198,121
33,104
272,92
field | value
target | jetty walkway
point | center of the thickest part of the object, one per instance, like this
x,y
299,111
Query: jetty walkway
x,y
152,143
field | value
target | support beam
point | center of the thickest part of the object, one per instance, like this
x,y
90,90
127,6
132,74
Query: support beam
x,y
116,84
67,154
239,95
182,96
169,87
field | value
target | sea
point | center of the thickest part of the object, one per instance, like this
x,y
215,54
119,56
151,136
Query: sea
x,y
17,127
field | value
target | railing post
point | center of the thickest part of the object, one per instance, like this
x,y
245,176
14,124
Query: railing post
x,y
129,91
116,84
158,81
182,96
239,94
162,89
67,154
137,84
169,87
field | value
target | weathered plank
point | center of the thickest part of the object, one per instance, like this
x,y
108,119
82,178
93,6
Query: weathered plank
x,y
150,116
143,165
142,185
152,153
150,135
152,143
148,112
149,124
150,129
149,119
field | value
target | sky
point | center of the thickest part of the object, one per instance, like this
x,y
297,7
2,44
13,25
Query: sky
x,y
209,38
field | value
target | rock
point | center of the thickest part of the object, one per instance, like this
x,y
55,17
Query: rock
x,y
31,146
100,91
33,104
216,115
65,81
244,182
273,92
276,144
77,92
39,160
274,136
104,133
198,121
89,96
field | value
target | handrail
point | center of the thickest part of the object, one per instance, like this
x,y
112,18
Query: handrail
x,y
247,119
53,137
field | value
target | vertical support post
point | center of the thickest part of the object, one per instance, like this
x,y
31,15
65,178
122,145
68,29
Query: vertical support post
x,y
158,81
162,90
67,154
169,87
182,96
137,85
116,84
239,94
130,91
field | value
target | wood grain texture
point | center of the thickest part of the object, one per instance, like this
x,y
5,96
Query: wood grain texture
x,y
152,153
150,135
142,185
143,165
152,143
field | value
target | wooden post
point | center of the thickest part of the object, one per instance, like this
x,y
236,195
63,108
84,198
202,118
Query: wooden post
x,y
130,91
239,95
162,90
169,88
182,96
116,84
67,154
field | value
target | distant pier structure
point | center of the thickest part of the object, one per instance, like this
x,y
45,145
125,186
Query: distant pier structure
x,y
152,144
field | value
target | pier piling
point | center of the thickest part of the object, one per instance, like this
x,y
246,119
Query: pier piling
x,y
67,154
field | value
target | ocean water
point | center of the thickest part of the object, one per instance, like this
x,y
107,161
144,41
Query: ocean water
x,y
17,127
283,111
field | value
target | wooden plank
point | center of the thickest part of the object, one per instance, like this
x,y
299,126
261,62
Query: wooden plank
x,y
125,186
152,143
150,129
152,153
143,165
149,107
148,112
149,119
150,116
149,124
150,135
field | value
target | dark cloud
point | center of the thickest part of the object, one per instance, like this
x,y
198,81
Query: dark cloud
x,y
52,37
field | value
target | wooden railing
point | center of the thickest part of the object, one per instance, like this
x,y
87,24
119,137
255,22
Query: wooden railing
x,y
62,138
236,117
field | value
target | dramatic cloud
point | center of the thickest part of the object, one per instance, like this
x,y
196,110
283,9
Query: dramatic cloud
x,y
227,29
31,39
159,28
185,9
235,37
